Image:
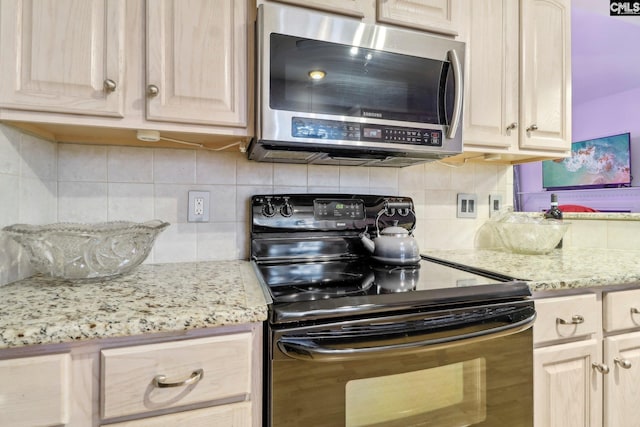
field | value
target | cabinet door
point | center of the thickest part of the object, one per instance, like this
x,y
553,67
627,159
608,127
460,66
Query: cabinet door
x,y
440,16
491,85
197,61
545,102
622,385
566,386
63,56
34,391
231,415
344,7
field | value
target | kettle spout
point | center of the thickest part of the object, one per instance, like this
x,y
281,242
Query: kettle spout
x,y
368,243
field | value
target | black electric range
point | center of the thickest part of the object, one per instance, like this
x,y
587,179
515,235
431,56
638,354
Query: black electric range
x,y
309,257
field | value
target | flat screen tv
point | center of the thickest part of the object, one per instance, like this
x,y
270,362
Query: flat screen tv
x,y
594,163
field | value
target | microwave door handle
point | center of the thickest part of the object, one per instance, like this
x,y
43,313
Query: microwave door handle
x,y
307,349
457,103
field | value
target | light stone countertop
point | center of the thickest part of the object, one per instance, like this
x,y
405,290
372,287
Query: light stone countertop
x,y
561,269
177,297
602,216
154,298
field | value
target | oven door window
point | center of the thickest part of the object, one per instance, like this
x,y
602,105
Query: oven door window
x,y
312,76
406,399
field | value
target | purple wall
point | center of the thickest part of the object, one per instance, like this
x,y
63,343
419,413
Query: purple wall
x,y
606,100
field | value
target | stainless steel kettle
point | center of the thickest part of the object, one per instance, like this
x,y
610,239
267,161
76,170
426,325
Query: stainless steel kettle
x,y
393,245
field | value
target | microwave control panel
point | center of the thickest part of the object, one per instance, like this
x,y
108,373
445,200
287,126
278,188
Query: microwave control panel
x,y
354,131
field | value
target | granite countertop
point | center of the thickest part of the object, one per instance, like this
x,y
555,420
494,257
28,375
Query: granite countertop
x,y
154,298
561,269
600,216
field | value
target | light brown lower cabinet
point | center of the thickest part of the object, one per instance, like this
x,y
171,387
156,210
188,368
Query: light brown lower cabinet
x,y
34,391
231,415
208,377
587,360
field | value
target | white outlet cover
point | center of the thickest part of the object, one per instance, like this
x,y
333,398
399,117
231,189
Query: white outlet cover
x,y
495,204
192,216
467,206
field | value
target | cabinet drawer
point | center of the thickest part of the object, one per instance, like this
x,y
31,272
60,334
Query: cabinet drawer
x,y
215,368
34,391
619,310
580,313
233,415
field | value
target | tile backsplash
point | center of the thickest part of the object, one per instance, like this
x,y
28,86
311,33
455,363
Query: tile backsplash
x,y
43,182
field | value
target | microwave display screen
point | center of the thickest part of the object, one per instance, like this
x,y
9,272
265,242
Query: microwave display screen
x,y
372,133
320,77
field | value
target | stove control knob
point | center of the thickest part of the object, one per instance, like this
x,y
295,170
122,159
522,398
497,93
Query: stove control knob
x,y
286,209
268,210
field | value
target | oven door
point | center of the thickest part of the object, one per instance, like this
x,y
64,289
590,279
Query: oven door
x,y
461,367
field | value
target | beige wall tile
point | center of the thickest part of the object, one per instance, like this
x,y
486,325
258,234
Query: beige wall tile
x,y
217,168
130,202
293,175
174,166
623,234
254,173
217,241
82,163
82,201
323,176
9,150
38,158
586,234
129,164
99,183
177,243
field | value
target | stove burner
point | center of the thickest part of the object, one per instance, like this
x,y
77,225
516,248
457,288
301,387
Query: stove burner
x,y
358,285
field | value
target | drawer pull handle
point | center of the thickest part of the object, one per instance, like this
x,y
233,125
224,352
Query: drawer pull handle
x,y
623,363
635,310
160,381
575,320
600,367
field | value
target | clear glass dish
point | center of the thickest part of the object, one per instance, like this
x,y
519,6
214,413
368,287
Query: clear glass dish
x,y
530,236
84,252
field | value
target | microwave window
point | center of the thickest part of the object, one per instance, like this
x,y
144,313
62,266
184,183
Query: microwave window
x,y
319,77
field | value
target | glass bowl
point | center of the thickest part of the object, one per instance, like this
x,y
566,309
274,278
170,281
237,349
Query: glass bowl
x,y
81,252
539,237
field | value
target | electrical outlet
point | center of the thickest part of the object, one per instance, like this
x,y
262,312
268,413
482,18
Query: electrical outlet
x,y
495,204
198,210
467,206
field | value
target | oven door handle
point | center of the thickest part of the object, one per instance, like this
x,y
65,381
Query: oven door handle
x,y
308,349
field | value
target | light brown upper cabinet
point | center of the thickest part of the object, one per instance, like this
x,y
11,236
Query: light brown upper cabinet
x,y
518,80
181,67
63,56
437,16
196,61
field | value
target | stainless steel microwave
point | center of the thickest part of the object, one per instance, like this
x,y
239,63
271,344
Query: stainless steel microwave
x,y
335,90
